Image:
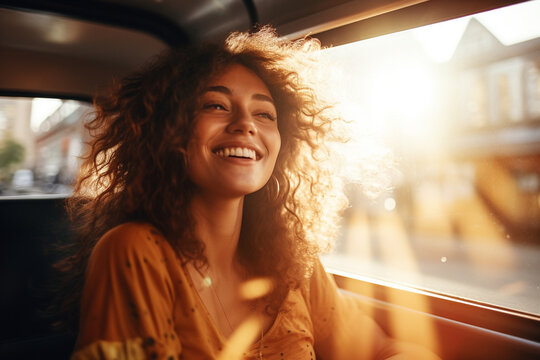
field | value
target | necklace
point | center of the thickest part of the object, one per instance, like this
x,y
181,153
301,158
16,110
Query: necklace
x,y
207,281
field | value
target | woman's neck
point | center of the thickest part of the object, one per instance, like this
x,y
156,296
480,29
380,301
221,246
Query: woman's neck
x,y
218,223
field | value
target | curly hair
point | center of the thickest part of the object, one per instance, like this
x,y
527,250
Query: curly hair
x,y
136,170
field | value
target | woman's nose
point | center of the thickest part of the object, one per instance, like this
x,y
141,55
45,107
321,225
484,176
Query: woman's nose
x,y
242,122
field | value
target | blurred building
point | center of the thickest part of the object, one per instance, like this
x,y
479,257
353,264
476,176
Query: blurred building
x,y
60,142
15,116
474,175
496,105
497,86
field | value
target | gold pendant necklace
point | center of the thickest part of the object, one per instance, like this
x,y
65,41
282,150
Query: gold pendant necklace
x,y
207,281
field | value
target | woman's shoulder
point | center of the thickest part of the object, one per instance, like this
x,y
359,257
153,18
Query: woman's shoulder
x,y
132,229
131,237
320,289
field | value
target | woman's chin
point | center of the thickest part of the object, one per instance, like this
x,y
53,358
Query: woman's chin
x,y
231,191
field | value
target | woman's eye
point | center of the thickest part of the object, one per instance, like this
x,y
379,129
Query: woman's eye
x,y
214,106
267,115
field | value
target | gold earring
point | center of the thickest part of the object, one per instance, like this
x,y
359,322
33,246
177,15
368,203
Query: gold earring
x,y
271,187
184,156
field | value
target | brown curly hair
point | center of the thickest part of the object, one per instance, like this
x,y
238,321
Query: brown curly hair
x,y
136,170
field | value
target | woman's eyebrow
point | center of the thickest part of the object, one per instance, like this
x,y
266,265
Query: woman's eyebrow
x,y
219,88
262,97
225,90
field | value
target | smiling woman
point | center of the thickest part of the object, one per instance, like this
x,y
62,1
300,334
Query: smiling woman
x,y
235,141
205,179
446,256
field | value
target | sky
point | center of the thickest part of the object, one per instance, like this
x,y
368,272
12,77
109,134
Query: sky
x,y
41,109
511,24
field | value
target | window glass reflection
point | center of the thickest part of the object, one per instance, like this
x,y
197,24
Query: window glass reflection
x,y
458,105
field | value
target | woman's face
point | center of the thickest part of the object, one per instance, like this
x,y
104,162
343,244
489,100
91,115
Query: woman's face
x,y
236,141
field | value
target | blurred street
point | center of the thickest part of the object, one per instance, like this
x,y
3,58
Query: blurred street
x,y
503,273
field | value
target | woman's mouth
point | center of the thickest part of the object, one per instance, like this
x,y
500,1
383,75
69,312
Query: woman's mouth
x,y
237,152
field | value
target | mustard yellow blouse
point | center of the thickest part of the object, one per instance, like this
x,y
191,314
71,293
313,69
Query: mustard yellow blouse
x,y
139,302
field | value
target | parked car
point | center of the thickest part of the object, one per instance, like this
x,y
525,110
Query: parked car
x,y
23,180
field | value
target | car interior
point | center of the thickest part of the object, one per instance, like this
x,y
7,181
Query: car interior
x,y
72,50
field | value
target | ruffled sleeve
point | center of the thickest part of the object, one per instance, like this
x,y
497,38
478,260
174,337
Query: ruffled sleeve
x,y
128,296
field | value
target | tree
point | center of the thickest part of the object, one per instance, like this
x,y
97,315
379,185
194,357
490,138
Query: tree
x,y
11,153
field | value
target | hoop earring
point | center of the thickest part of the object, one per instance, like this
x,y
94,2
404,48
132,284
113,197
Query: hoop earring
x,y
272,189
184,156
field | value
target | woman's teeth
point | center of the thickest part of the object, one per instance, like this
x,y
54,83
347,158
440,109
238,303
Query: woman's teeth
x,y
237,152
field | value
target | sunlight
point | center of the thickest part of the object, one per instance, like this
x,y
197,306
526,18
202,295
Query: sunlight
x,y
388,95
240,340
256,288
389,204
483,241
513,24
402,103
403,92
397,252
440,40
357,235
41,109
510,25
444,214
390,85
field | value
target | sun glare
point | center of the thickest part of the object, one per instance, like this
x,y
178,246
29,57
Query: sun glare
x,y
510,25
402,98
513,24
433,110
440,40
403,92
390,86
393,96
41,108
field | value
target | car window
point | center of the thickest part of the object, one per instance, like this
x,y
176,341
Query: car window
x,y
447,190
41,141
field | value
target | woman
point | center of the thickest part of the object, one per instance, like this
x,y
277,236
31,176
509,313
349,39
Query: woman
x,y
206,190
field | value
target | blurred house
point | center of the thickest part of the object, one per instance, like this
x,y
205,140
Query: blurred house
x,y
60,142
497,124
497,87
15,123
475,175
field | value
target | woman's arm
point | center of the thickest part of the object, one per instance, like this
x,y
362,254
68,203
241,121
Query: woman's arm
x,y
126,306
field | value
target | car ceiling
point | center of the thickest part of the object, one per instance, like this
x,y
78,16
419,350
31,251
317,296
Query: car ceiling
x,y
182,21
92,40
